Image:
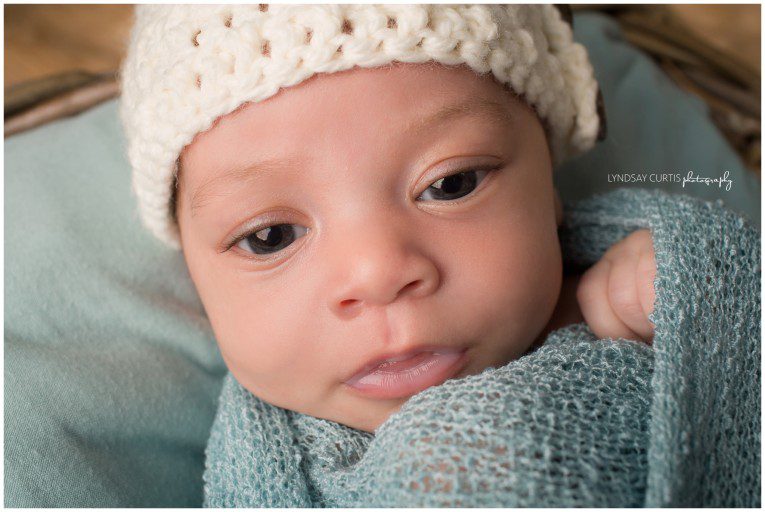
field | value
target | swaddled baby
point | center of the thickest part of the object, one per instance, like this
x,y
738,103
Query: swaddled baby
x,y
363,194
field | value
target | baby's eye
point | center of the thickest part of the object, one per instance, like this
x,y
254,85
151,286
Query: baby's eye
x,y
271,239
454,186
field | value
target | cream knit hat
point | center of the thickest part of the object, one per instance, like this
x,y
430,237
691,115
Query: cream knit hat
x,y
188,65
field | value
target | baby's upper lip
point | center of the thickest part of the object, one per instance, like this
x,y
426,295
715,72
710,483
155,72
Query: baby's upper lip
x,y
401,355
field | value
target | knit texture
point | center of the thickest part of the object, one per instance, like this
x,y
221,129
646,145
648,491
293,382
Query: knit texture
x,y
188,65
578,422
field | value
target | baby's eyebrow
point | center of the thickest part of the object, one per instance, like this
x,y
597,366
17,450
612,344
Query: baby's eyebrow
x,y
256,170
475,106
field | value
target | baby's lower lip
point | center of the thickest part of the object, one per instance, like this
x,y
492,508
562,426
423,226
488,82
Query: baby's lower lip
x,y
405,378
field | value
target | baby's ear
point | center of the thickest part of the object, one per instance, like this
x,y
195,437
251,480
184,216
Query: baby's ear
x,y
558,207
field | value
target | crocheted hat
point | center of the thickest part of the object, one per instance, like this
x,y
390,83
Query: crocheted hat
x,y
186,66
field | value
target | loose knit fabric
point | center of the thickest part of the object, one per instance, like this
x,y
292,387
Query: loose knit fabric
x,y
188,65
580,422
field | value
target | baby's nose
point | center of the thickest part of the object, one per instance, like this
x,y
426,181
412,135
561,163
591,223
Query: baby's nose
x,y
381,267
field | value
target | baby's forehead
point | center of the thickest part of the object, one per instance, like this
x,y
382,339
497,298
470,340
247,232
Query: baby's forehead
x,y
360,89
395,98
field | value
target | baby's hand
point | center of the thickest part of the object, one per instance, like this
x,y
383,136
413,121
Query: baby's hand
x,y
616,295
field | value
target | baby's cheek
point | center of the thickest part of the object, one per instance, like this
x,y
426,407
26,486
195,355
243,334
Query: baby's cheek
x,y
256,326
267,339
535,281
520,281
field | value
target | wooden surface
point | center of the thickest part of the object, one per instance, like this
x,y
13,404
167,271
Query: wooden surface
x,y
734,28
42,40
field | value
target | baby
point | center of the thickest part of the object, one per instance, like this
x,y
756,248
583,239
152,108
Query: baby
x,y
365,223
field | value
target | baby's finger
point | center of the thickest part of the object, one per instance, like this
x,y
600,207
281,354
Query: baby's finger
x,y
646,275
592,295
623,295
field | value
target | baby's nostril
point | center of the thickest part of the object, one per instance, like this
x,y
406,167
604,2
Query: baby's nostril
x,y
411,286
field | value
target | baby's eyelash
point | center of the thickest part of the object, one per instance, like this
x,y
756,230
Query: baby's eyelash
x,y
488,170
228,245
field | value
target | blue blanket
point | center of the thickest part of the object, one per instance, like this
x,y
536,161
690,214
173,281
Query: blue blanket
x,y
578,422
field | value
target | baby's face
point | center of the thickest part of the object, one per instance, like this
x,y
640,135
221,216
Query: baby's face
x,y
365,213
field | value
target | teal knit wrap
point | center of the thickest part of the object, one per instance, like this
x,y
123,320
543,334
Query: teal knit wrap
x,y
579,422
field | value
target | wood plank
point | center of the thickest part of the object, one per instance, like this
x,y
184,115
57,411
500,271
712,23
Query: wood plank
x,y
43,40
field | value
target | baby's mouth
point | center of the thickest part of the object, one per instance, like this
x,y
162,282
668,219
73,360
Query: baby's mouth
x,y
407,374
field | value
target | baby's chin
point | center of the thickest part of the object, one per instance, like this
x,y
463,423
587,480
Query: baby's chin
x,y
373,423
